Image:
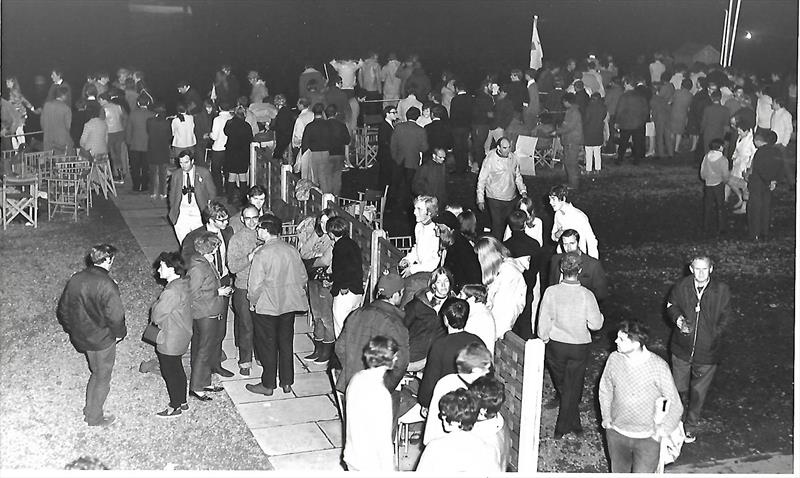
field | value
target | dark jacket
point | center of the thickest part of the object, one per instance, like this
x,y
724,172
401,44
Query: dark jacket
x,y
316,136
385,131
339,137
91,310
442,361
461,111
172,313
237,147
633,110
376,318
408,141
204,190
187,246
159,138
702,344
482,109
592,275
503,112
418,83
593,123
439,135
521,245
767,166
346,267
283,125
715,120
194,103
462,261
203,287
431,180
424,325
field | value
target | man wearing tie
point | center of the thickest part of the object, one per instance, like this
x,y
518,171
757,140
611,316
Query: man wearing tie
x,y
191,189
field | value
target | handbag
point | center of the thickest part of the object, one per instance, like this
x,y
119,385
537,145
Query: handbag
x,y
150,334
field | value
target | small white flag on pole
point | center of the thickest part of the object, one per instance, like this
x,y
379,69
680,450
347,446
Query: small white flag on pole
x,y
536,47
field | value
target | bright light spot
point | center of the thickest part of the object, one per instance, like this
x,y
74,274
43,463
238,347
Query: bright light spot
x,y
748,35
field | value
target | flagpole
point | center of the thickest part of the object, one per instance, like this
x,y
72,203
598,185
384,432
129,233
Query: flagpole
x,y
735,28
723,56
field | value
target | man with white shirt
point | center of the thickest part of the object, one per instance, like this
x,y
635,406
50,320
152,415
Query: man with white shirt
x,y
347,70
305,117
219,139
763,109
657,69
191,188
566,216
781,125
406,104
369,78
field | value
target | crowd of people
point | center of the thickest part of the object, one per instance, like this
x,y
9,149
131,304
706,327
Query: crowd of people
x,y
428,329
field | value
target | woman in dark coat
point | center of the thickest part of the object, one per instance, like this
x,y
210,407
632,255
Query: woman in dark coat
x,y
237,152
159,139
593,127
172,313
207,307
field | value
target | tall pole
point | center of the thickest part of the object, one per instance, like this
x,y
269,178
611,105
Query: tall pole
x,y
735,28
723,55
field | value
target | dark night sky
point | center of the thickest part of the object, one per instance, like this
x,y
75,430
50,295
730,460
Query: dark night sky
x,y
276,37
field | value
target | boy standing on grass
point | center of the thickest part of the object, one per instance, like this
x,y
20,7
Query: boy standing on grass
x,y
714,173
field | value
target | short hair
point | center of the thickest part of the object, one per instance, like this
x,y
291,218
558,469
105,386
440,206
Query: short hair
x,y
380,350
99,253
702,257
516,220
159,108
455,311
431,204
186,152
171,259
62,91
183,83
491,394
459,406
270,223
571,233
338,226
206,242
569,98
468,222
716,143
93,109
256,190
387,109
412,114
58,71
91,90
318,109
240,113
303,102
771,137
716,95
436,273
635,330
331,110
438,111
781,101
475,355
570,264
476,291
561,191
215,210
687,84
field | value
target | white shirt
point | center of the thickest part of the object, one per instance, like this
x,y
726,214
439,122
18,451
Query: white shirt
x,y
183,132
405,104
656,70
449,383
763,111
391,83
534,231
781,124
424,255
570,217
505,296
218,130
424,121
743,154
368,446
305,117
481,323
347,70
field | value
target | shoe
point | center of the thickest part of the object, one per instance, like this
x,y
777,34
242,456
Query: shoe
x,y
244,371
260,389
184,406
154,196
222,372
106,421
313,355
213,389
162,196
690,437
325,352
170,412
202,398
287,388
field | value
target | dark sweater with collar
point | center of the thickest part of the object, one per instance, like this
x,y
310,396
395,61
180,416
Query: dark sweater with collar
x,y
346,267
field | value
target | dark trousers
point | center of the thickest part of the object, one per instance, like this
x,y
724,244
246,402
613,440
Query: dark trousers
x,y
217,166
567,364
386,167
274,335
632,455
243,326
401,185
713,208
523,326
758,210
692,381
174,376
330,174
203,333
570,160
101,364
461,148
626,135
220,329
139,170
498,214
479,134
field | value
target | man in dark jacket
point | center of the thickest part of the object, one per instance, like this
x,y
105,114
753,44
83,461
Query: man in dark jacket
x,y
385,162
632,114
282,125
765,171
522,245
317,139
701,311
460,122
438,131
347,274
330,177
91,312
592,275
407,145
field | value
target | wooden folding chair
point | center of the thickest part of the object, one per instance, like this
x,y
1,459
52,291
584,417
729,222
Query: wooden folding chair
x,y
38,162
68,188
525,149
101,177
19,197
289,233
373,203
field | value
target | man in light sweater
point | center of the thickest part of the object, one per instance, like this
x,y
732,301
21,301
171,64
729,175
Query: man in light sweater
x,y
633,380
714,173
498,183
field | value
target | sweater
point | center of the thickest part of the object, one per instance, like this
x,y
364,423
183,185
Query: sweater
x,y
172,313
500,178
242,243
714,169
567,312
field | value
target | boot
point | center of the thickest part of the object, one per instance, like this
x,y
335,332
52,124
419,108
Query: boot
x,y
313,355
326,350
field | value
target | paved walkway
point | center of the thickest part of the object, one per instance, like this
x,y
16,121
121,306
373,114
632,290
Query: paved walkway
x,y
297,431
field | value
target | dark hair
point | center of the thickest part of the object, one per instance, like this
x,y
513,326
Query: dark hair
x,y
327,212
716,96
93,109
569,98
438,111
491,394
455,311
338,226
215,210
412,114
570,264
561,191
477,291
571,233
635,330
517,219
181,109
687,84
99,253
468,222
187,152
256,190
331,110
715,143
780,100
62,91
459,406
271,224
183,83
91,90
380,350
171,259
318,109
387,109
206,242
303,102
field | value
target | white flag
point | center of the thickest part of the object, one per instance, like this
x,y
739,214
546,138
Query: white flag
x,y
536,47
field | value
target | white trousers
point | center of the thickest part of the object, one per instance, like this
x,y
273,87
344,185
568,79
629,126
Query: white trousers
x,y
188,220
343,304
593,157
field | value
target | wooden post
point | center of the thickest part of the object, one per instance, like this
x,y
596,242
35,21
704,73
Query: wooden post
x,y
286,170
375,257
531,414
251,176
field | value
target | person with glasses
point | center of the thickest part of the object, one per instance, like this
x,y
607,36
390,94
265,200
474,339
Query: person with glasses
x,y
256,197
498,183
191,189
384,156
216,220
242,248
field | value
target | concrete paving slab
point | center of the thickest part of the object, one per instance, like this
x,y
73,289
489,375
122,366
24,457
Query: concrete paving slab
x,y
229,347
239,394
315,367
303,343
299,438
312,383
232,364
301,325
325,460
332,430
287,412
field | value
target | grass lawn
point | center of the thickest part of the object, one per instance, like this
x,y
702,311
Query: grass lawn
x,y
44,379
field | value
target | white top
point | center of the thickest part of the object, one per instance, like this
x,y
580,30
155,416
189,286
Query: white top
x,y
347,70
763,111
781,124
481,323
423,121
305,117
424,255
656,70
743,154
368,445
458,451
570,217
446,384
405,104
505,296
183,132
218,130
113,117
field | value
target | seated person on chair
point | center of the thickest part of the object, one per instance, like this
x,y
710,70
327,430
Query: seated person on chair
x,y
422,317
